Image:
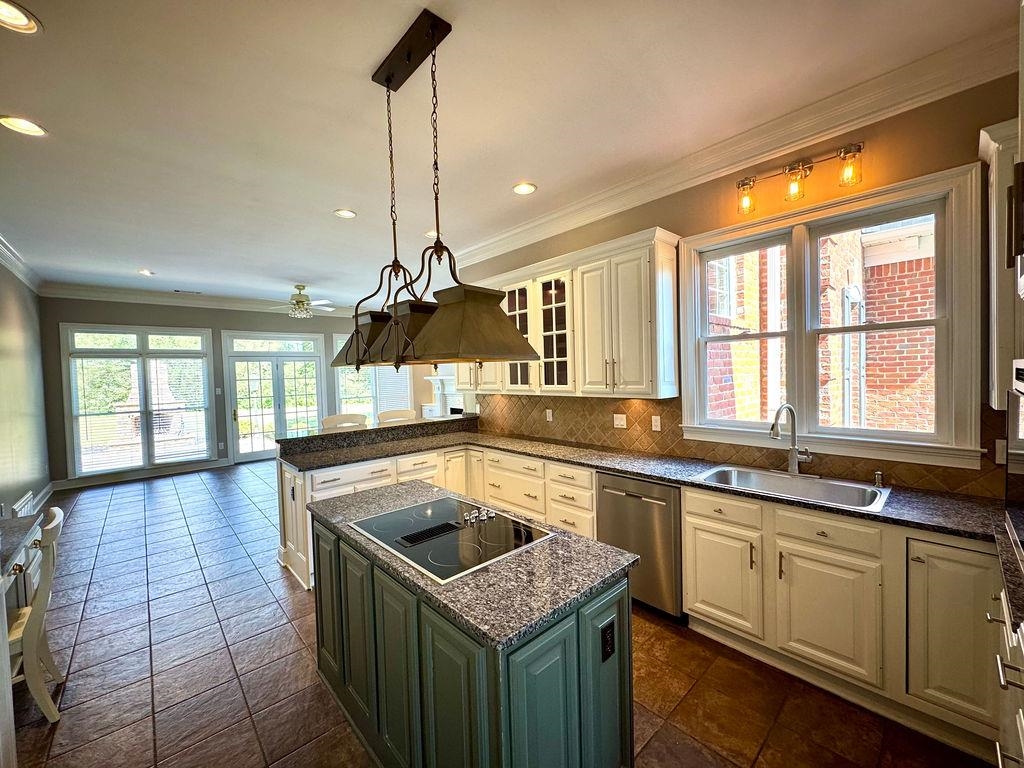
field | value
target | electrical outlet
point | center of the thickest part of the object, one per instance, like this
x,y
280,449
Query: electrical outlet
x,y
1000,451
619,421
655,423
220,446
548,416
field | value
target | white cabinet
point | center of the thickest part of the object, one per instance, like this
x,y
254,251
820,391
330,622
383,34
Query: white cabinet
x,y
631,372
593,328
829,609
723,575
455,476
485,377
465,376
950,645
522,376
295,525
553,332
475,474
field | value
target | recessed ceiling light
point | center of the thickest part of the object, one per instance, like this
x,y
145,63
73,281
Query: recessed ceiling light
x,y
147,272
432,234
17,19
21,125
524,188
345,213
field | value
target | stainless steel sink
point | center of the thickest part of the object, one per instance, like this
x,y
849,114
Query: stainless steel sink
x,y
840,493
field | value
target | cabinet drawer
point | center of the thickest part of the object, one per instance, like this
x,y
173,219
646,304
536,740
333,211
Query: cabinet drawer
x,y
570,475
828,530
723,508
331,492
525,492
418,464
511,463
354,473
570,519
574,497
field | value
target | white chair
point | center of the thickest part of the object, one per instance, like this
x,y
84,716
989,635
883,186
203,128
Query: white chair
x,y
393,416
344,422
26,634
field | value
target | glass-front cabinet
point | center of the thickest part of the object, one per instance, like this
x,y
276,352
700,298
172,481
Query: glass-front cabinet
x,y
519,304
555,332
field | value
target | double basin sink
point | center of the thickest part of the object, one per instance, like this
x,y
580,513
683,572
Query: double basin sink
x,y
783,485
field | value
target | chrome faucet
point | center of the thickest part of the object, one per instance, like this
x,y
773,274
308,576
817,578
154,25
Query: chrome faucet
x,y
796,454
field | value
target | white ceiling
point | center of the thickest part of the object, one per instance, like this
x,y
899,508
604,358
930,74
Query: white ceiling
x,y
210,141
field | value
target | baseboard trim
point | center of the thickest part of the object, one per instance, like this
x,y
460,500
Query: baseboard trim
x,y
42,497
72,483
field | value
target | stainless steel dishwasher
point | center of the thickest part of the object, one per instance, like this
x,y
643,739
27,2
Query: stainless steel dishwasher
x,y
644,518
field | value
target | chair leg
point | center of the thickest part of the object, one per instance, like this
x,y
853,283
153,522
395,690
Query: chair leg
x,y
46,657
36,681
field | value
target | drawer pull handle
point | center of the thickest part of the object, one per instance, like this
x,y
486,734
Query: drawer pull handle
x,y
495,485
422,463
1001,756
17,569
751,557
823,534
529,467
780,566
917,559
567,496
380,471
718,511
567,476
493,460
37,543
530,495
568,522
992,619
1001,667
325,480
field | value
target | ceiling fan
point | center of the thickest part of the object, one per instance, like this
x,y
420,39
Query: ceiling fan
x,y
301,307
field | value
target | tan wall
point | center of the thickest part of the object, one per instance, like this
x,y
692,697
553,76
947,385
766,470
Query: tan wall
x,y
23,461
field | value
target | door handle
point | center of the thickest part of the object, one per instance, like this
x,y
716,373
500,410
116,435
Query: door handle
x,y
751,556
234,414
606,374
614,384
780,566
1010,227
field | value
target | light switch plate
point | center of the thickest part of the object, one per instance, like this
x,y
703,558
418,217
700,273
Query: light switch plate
x,y
656,423
220,446
548,416
619,421
1000,451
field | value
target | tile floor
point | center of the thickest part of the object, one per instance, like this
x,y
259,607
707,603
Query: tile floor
x,y
186,646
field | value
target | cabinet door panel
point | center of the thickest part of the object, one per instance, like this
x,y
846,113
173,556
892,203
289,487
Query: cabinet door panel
x,y
544,709
631,325
359,675
723,575
554,332
593,328
489,377
398,671
950,646
829,609
328,605
455,471
455,696
475,474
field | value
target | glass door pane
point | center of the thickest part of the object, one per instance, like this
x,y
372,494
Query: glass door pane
x,y
301,408
517,307
178,409
554,354
107,413
254,412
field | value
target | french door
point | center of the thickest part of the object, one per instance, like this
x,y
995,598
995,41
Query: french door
x,y
271,397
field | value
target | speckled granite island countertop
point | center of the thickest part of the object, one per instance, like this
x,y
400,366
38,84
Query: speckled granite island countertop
x,y
966,516
503,601
1009,531
14,535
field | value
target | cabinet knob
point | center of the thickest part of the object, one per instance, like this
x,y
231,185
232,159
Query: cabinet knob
x,y
718,511
917,559
17,569
823,534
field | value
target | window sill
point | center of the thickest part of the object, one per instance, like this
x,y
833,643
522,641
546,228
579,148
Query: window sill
x,y
916,453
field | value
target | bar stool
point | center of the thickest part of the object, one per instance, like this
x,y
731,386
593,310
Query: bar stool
x,y
26,633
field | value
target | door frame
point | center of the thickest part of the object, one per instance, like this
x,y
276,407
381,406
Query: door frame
x,y
228,355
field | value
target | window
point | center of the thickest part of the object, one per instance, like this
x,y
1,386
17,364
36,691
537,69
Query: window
x,y
138,397
271,344
373,389
844,312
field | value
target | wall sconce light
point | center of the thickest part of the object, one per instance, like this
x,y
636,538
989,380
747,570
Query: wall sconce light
x,y
795,175
745,200
850,174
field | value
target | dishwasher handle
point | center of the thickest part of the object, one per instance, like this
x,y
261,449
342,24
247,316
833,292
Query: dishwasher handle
x,y
631,495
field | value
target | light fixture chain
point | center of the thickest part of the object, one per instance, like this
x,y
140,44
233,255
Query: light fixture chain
x,y
433,126
391,165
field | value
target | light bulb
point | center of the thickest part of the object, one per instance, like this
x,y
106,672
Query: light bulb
x,y
17,19
795,175
850,173
745,201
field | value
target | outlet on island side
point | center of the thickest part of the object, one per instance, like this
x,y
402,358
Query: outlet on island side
x,y
655,423
548,416
619,421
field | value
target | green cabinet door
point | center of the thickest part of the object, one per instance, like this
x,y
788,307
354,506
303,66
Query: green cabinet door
x,y
544,700
326,566
359,668
454,680
398,672
606,680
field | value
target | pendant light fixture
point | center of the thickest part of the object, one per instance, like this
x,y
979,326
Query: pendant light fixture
x,y
467,323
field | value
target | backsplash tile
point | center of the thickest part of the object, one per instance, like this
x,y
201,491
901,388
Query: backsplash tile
x,y
587,420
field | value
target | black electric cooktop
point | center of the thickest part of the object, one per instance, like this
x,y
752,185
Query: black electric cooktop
x,y
448,538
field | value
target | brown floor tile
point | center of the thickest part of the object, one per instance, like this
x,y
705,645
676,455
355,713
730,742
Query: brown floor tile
x,y
191,678
904,748
130,747
26,710
722,723
114,584
180,583
645,725
109,647
32,742
198,718
338,748
748,680
250,624
126,597
234,584
279,680
296,721
101,679
61,617
786,748
177,602
306,627
827,720
62,638
184,621
679,648
60,598
186,647
108,624
243,602
658,686
263,649
298,605
98,717
671,748
235,747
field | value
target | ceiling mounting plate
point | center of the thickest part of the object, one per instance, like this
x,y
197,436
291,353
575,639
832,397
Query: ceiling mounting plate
x,y
412,50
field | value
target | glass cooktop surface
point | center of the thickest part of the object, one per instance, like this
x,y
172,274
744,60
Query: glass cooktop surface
x,y
448,538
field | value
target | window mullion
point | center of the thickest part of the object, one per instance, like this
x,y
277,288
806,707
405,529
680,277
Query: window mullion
x,y
802,363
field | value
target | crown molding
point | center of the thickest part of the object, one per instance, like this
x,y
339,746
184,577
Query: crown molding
x,y
16,265
52,290
964,65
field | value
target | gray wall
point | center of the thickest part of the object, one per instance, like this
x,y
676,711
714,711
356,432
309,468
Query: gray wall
x,y
23,462
53,312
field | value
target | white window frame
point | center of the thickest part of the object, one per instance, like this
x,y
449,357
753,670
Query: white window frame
x,y
143,354
956,442
338,341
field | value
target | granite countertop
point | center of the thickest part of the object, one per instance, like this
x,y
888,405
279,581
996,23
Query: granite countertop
x,y
967,516
1008,527
502,602
14,534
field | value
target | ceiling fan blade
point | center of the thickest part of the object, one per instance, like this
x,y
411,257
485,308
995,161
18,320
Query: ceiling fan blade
x,y
324,309
281,306
319,302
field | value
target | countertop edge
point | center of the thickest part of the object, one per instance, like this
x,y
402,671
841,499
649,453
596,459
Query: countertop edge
x,y
24,526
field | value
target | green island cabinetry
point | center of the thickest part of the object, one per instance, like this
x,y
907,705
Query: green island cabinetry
x,y
422,692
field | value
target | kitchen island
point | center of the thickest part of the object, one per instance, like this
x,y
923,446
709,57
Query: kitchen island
x,y
524,662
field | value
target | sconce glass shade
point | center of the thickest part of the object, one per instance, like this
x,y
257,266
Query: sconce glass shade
x,y
795,175
850,172
746,203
